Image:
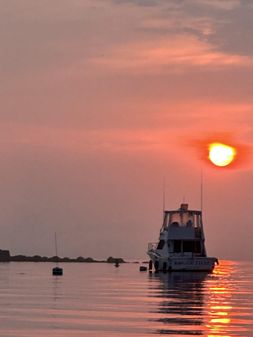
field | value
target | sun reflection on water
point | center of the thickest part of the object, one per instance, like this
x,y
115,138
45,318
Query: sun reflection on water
x,y
198,303
220,290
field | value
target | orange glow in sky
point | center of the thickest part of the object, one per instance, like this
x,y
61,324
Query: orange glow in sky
x,y
221,154
111,108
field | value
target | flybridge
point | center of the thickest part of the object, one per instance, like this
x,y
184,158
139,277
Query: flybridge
x,y
182,218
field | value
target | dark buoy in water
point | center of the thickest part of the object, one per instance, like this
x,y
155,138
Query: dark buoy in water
x,y
57,271
143,268
116,264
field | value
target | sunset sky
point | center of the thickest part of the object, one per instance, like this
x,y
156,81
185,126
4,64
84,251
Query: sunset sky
x,y
101,100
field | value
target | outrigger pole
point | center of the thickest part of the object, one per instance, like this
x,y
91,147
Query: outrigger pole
x,y
164,186
201,190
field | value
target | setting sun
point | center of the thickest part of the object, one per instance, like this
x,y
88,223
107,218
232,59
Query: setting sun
x,y
221,154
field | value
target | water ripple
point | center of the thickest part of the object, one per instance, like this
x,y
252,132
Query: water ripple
x,y
99,300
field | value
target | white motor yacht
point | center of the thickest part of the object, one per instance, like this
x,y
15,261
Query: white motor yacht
x,y
181,243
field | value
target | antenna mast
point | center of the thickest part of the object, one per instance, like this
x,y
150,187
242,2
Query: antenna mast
x,y
164,185
201,190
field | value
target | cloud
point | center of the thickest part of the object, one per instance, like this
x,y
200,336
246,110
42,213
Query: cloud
x,y
233,31
225,25
165,123
174,54
145,3
225,5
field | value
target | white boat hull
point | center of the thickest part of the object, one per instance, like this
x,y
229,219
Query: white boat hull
x,y
184,264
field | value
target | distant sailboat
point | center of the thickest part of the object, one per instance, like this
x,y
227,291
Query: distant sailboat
x,y
57,271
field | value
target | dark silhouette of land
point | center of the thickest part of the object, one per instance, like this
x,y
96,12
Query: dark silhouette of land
x,y
5,256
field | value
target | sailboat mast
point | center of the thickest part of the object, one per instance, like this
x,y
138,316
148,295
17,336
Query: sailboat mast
x,y
56,270
56,250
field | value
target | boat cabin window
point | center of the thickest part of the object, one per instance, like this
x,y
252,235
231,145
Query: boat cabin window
x,y
197,248
177,246
161,244
191,246
187,246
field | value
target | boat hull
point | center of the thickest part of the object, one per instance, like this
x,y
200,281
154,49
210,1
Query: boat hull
x,y
184,264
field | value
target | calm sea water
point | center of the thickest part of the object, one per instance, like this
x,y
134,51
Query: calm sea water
x,y
101,300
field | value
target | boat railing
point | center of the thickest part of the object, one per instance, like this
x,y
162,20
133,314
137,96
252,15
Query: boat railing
x,y
152,246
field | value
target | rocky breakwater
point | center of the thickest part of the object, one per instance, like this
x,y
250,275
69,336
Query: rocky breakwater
x,y
5,255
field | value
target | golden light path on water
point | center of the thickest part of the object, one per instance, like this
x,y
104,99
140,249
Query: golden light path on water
x,y
219,307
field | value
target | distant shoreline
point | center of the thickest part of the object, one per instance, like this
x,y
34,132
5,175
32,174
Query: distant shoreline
x,y
5,256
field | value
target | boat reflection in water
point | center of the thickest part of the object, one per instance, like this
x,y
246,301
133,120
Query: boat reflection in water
x,y
180,310
203,304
